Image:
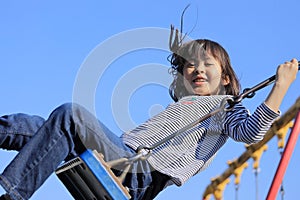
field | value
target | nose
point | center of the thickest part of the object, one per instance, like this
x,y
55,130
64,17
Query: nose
x,y
199,69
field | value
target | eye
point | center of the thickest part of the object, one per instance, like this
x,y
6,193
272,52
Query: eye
x,y
190,64
208,64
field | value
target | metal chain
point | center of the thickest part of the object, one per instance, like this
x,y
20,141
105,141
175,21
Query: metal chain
x,y
222,107
282,191
237,191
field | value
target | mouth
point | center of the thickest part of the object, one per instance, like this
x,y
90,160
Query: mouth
x,y
199,81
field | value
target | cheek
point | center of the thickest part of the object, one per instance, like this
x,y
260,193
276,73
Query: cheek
x,y
215,74
187,80
187,76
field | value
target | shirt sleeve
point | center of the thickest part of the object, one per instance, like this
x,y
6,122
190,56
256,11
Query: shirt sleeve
x,y
241,126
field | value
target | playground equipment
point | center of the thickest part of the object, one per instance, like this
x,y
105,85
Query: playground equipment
x,y
279,126
90,177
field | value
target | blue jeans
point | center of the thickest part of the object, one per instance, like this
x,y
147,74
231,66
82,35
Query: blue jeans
x,y
44,144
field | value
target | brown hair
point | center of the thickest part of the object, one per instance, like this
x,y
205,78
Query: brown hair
x,y
183,52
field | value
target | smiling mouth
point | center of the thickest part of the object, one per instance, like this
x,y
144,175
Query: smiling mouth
x,y
199,81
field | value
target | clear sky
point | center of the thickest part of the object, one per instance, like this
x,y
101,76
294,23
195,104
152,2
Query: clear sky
x,y
47,49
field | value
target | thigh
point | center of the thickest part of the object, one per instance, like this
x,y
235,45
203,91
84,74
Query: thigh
x,y
95,135
106,142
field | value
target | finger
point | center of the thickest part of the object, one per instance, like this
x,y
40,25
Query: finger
x,y
294,61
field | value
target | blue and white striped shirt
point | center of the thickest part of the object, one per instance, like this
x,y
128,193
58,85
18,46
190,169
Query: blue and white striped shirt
x,y
192,151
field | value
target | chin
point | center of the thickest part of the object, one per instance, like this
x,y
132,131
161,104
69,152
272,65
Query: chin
x,y
201,94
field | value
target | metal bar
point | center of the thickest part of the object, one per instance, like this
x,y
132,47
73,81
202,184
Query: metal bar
x,y
249,92
182,130
285,159
179,132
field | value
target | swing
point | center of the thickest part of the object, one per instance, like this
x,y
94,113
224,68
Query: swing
x,y
88,176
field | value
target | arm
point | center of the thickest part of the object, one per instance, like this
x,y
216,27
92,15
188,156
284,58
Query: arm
x,y
286,74
241,126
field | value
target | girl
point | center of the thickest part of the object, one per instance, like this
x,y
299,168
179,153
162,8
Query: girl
x,y
203,77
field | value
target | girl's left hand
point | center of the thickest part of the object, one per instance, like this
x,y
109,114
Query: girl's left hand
x,y
286,73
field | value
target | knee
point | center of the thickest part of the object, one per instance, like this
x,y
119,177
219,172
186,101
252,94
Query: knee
x,y
64,108
72,110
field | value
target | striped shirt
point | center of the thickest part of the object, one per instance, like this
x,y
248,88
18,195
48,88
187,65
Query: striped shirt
x,y
192,151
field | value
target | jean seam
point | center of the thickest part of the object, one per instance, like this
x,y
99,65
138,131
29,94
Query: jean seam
x,y
15,133
35,163
9,188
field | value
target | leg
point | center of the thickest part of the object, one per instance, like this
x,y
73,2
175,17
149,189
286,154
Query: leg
x,y
68,131
17,129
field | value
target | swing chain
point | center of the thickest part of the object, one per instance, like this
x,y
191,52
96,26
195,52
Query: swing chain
x,y
144,151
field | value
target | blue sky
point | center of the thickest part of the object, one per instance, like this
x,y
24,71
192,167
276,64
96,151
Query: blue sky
x,y
46,46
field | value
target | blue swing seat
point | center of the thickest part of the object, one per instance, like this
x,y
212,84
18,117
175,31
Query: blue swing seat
x,y
87,177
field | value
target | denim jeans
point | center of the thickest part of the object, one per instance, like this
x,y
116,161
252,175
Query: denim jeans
x,y
44,144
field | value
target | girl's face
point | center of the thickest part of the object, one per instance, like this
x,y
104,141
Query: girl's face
x,y
203,76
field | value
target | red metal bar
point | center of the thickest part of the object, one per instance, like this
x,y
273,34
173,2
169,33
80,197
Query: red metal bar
x,y
285,159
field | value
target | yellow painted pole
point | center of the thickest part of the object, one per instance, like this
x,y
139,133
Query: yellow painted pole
x,y
288,116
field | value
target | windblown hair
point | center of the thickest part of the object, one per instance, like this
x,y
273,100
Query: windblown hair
x,y
183,52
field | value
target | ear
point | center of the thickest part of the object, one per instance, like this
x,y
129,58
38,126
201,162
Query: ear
x,y
225,80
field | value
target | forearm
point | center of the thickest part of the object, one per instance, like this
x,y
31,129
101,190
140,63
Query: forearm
x,y
275,97
286,74
243,127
